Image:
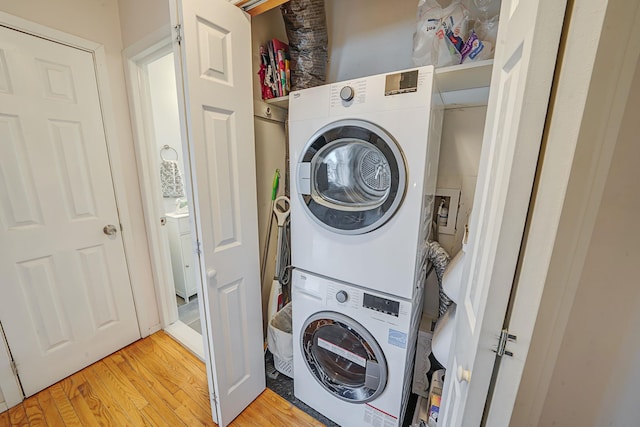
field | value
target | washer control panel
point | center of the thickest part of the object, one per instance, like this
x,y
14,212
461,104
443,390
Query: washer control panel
x,y
347,93
380,304
342,296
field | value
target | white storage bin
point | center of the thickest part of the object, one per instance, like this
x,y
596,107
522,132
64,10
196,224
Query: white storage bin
x,y
280,340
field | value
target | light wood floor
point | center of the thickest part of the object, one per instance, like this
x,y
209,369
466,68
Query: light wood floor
x,y
152,382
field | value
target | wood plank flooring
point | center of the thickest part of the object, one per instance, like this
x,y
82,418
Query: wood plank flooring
x,y
152,382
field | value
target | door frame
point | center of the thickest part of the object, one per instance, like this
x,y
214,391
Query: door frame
x,y
135,270
136,57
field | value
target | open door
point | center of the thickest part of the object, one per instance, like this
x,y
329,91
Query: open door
x,y
215,53
520,87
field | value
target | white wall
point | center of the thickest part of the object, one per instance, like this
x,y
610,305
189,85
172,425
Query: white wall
x,y
365,36
369,36
458,167
271,141
596,378
98,21
139,18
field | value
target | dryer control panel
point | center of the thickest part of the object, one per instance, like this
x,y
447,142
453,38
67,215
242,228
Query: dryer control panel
x,y
380,304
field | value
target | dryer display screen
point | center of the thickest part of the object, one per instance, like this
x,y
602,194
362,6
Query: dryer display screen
x,y
398,83
383,305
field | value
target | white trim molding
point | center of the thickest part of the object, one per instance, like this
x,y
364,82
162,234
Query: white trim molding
x,y
136,57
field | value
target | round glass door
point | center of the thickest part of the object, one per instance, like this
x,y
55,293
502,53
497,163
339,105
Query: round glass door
x,y
343,357
352,177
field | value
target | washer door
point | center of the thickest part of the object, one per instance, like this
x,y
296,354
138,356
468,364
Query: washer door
x,y
352,177
343,357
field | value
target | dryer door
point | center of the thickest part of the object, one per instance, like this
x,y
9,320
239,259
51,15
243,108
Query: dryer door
x,y
352,177
343,357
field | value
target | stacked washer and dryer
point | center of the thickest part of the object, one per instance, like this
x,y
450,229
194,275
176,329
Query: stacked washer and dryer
x,y
364,159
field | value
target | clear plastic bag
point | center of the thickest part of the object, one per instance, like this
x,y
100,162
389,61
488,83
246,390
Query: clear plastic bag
x,y
461,32
440,33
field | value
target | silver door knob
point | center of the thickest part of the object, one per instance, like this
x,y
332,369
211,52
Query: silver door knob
x,y
109,229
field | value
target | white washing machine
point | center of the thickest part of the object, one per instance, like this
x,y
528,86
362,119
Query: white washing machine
x,y
353,350
364,159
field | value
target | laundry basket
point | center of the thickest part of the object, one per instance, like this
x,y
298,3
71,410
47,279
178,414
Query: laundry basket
x,y
280,340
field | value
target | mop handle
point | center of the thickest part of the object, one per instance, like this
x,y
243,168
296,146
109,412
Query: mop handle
x,y
276,183
282,208
274,191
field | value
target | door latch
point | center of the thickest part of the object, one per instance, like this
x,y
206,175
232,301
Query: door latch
x,y
177,28
505,337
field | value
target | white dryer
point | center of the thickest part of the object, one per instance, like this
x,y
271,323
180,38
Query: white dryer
x,y
364,159
353,351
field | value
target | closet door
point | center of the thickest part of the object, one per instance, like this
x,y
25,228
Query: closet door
x,y
523,71
65,296
215,55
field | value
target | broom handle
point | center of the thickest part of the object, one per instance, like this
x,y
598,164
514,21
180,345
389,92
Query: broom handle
x,y
274,192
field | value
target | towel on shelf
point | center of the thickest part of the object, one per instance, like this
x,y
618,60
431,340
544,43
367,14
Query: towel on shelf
x,y
171,179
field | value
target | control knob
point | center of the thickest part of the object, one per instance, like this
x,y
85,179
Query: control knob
x,y
347,93
342,296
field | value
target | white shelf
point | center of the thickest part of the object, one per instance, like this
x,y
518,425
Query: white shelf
x,y
464,76
461,85
465,85
282,102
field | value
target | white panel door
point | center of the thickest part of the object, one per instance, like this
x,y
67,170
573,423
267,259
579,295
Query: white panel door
x,y
217,77
523,70
65,296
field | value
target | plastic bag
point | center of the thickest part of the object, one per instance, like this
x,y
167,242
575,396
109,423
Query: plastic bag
x,y
483,18
306,27
475,49
279,334
487,29
440,33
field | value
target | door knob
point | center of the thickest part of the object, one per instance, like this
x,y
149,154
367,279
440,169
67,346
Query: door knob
x,y
463,375
109,229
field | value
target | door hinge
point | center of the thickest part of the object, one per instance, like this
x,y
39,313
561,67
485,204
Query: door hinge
x,y
198,250
14,368
178,29
505,337
121,228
